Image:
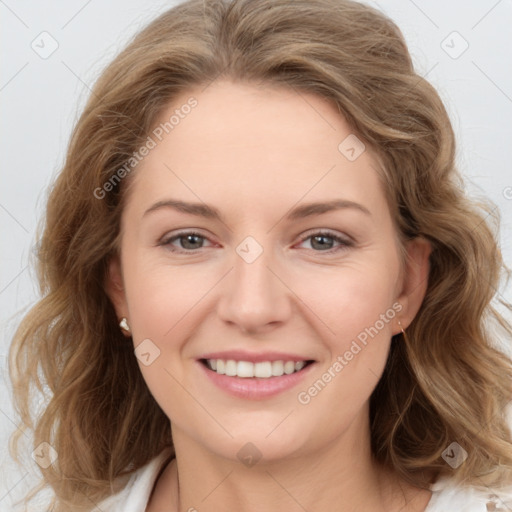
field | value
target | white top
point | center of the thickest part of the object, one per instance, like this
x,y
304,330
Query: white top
x,y
445,496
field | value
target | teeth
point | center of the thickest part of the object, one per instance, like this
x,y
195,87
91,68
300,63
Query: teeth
x,y
230,368
277,368
289,367
246,369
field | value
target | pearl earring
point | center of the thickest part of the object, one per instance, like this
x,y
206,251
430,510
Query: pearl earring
x,y
124,325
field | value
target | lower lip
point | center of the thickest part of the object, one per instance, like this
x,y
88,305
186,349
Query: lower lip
x,y
253,388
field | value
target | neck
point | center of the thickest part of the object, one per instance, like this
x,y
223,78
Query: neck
x,y
340,476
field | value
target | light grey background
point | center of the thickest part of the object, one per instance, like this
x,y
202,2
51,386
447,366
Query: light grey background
x,y
42,97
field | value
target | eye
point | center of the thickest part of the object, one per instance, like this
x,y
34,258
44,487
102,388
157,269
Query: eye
x,y
324,241
186,241
192,241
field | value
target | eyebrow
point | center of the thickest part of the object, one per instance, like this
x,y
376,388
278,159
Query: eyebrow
x,y
300,212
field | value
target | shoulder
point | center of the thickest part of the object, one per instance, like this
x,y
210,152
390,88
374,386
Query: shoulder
x,y
447,497
135,495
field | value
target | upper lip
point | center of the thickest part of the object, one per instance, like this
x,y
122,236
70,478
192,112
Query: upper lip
x,y
254,357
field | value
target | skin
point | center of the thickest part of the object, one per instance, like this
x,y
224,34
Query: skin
x,y
254,152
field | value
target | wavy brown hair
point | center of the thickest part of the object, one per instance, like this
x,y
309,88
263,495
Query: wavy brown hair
x,y
446,380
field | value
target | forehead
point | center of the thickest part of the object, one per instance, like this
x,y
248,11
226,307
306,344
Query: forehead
x,y
247,118
257,142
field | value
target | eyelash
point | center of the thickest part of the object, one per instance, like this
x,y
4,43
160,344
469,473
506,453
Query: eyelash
x,y
344,243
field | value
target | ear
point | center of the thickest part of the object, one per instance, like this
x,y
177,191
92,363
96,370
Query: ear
x,y
114,288
414,280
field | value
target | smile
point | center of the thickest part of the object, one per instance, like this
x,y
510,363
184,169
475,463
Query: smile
x,y
247,369
255,381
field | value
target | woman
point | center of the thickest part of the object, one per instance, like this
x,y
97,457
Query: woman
x,y
263,287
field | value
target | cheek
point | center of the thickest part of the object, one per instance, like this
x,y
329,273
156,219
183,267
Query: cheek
x,y
358,307
356,303
162,303
350,299
161,295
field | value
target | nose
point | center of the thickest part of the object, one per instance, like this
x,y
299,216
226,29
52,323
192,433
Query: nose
x,y
255,297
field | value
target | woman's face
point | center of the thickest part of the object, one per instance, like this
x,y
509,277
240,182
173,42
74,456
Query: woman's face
x,y
257,230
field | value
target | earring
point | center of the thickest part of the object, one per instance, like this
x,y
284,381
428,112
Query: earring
x,y
405,337
124,325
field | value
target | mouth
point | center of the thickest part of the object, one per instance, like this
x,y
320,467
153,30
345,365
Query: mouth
x,y
260,370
